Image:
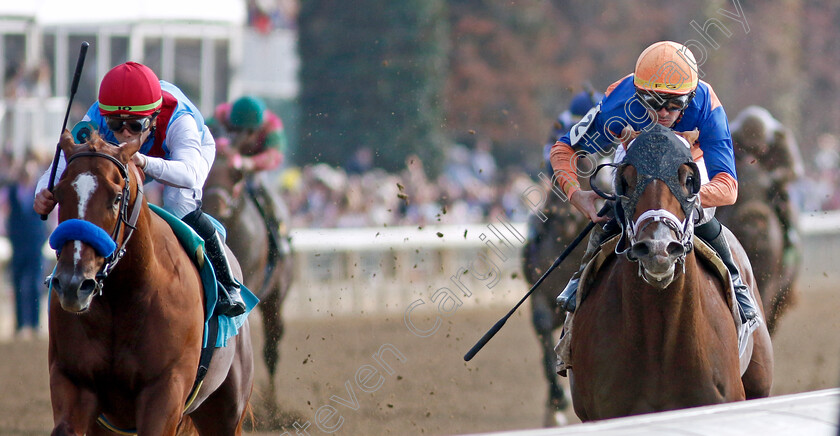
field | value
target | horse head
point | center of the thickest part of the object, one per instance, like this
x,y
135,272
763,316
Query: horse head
x,y
93,196
657,186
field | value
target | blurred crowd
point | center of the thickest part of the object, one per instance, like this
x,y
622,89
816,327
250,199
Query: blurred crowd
x,y
471,188
818,190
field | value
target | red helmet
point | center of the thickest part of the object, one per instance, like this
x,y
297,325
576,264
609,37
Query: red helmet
x,y
130,89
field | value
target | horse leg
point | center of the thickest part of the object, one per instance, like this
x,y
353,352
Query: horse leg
x,y
223,412
542,319
273,332
74,409
159,405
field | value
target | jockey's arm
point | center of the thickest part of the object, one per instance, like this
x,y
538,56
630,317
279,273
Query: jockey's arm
x,y
722,190
190,156
563,160
270,155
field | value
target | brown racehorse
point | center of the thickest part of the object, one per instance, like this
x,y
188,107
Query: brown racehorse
x,y
563,224
758,229
125,331
225,199
656,331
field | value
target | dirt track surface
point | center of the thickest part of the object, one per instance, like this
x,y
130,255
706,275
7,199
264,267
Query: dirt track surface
x,y
433,391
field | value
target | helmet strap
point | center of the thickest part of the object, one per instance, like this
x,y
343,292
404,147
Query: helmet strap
x,y
690,98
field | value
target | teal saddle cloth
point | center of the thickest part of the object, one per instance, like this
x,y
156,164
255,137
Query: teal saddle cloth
x,y
194,245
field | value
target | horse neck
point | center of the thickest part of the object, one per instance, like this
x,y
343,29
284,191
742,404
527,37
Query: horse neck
x,y
655,315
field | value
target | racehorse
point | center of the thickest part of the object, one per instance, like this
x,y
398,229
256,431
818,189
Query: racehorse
x,y
126,312
659,327
757,226
563,224
225,198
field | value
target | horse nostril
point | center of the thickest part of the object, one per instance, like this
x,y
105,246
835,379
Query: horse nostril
x,y
55,284
88,286
641,249
675,249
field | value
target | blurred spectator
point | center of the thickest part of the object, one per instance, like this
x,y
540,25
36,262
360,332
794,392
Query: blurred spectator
x,y
483,162
361,162
27,234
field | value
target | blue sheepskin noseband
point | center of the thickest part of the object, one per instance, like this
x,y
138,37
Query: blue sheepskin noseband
x,y
85,231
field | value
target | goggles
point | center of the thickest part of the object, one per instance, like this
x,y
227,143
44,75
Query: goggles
x,y
136,125
656,101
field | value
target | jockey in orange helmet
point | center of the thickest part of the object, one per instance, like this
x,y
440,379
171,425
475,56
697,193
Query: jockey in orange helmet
x,y
177,150
664,89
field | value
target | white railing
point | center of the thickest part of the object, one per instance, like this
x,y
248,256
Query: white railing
x,y
31,123
808,413
362,271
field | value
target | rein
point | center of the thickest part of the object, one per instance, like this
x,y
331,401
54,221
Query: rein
x,y
129,222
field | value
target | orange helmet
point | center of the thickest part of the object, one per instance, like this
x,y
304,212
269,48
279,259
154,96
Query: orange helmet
x,y
666,67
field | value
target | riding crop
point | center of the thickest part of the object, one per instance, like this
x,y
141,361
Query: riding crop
x,y
73,87
499,324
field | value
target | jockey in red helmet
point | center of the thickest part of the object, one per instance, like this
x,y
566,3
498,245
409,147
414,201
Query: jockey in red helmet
x,y
177,150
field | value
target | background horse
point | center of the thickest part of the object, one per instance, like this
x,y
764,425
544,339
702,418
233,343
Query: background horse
x,y
758,229
126,330
225,198
563,225
657,332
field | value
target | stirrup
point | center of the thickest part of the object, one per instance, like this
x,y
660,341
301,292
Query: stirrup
x,y
746,307
567,300
230,301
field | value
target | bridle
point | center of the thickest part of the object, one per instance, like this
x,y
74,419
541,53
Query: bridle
x,y
124,223
655,159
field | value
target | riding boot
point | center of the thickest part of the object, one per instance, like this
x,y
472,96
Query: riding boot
x,y
230,301
567,300
743,295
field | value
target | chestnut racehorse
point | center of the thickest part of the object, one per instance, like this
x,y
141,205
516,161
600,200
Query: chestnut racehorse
x,y
657,330
268,273
126,313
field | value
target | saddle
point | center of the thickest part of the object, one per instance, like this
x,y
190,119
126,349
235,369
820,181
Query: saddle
x,y
705,254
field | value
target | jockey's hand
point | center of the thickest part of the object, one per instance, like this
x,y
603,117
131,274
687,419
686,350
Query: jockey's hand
x,y
242,163
584,201
139,159
44,202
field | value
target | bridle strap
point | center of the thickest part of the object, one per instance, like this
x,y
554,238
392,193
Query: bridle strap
x,y
130,222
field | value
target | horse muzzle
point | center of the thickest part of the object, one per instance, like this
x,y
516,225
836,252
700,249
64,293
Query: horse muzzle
x,y
657,259
75,291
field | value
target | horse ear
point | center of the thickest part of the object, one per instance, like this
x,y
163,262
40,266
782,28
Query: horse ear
x,y
67,144
127,149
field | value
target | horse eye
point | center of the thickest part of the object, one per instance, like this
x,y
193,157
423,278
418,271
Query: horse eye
x,y
117,200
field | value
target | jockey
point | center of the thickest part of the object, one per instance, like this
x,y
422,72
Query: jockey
x,y
254,140
177,151
579,106
665,89
756,133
